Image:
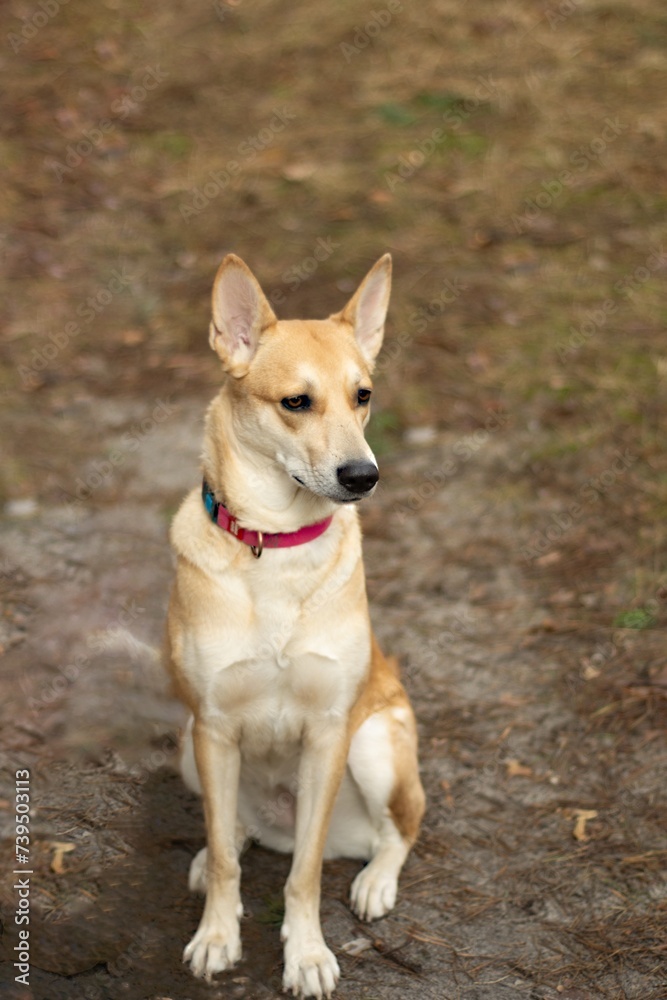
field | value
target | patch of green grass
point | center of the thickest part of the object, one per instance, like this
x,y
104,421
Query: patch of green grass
x,y
441,102
274,911
629,413
565,392
471,144
174,144
397,114
637,618
15,477
558,448
382,431
438,103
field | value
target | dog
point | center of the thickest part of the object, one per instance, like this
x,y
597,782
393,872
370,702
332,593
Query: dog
x,y
301,735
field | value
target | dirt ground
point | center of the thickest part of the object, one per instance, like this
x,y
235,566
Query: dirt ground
x,y
510,156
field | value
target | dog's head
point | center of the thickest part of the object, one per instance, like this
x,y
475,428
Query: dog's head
x,y
301,389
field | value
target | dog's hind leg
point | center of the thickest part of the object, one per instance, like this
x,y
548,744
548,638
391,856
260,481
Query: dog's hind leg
x,y
383,763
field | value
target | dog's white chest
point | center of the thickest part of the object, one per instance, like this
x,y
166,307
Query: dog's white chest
x,y
270,701
267,672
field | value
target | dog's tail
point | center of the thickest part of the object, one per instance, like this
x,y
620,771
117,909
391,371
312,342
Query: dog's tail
x,y
146,659
378,657
121,640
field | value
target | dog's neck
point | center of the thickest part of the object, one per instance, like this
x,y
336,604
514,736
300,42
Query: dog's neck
x,y
253,486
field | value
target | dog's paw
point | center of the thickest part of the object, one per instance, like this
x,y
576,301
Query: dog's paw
x,y
311,970
214,948
373,893
197,876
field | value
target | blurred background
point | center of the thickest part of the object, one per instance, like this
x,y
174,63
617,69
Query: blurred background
x,y
510,156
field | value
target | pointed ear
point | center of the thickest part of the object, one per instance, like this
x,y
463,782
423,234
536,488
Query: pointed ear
x,y
240,313
367,309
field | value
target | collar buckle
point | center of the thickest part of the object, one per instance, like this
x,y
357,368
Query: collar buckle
x,y
259,548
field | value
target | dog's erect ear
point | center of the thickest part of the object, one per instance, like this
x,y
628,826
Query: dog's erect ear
x,y
367,309
240,313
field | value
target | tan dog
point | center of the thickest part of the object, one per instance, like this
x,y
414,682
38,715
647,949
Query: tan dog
x,y
302,736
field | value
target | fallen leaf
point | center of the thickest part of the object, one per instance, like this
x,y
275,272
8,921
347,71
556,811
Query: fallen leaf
x,y
380,197
589,672
357,945
549,558
581,817
59,851
300,171
517,770
132,337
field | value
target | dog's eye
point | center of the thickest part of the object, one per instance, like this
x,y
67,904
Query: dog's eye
x,y
363,396
296,402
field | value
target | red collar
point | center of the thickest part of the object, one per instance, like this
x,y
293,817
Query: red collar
x,y
259,540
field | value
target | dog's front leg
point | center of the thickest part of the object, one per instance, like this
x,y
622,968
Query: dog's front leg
x,y
311,968
217,943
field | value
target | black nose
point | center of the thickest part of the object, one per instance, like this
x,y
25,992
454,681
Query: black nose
x,y
358,477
